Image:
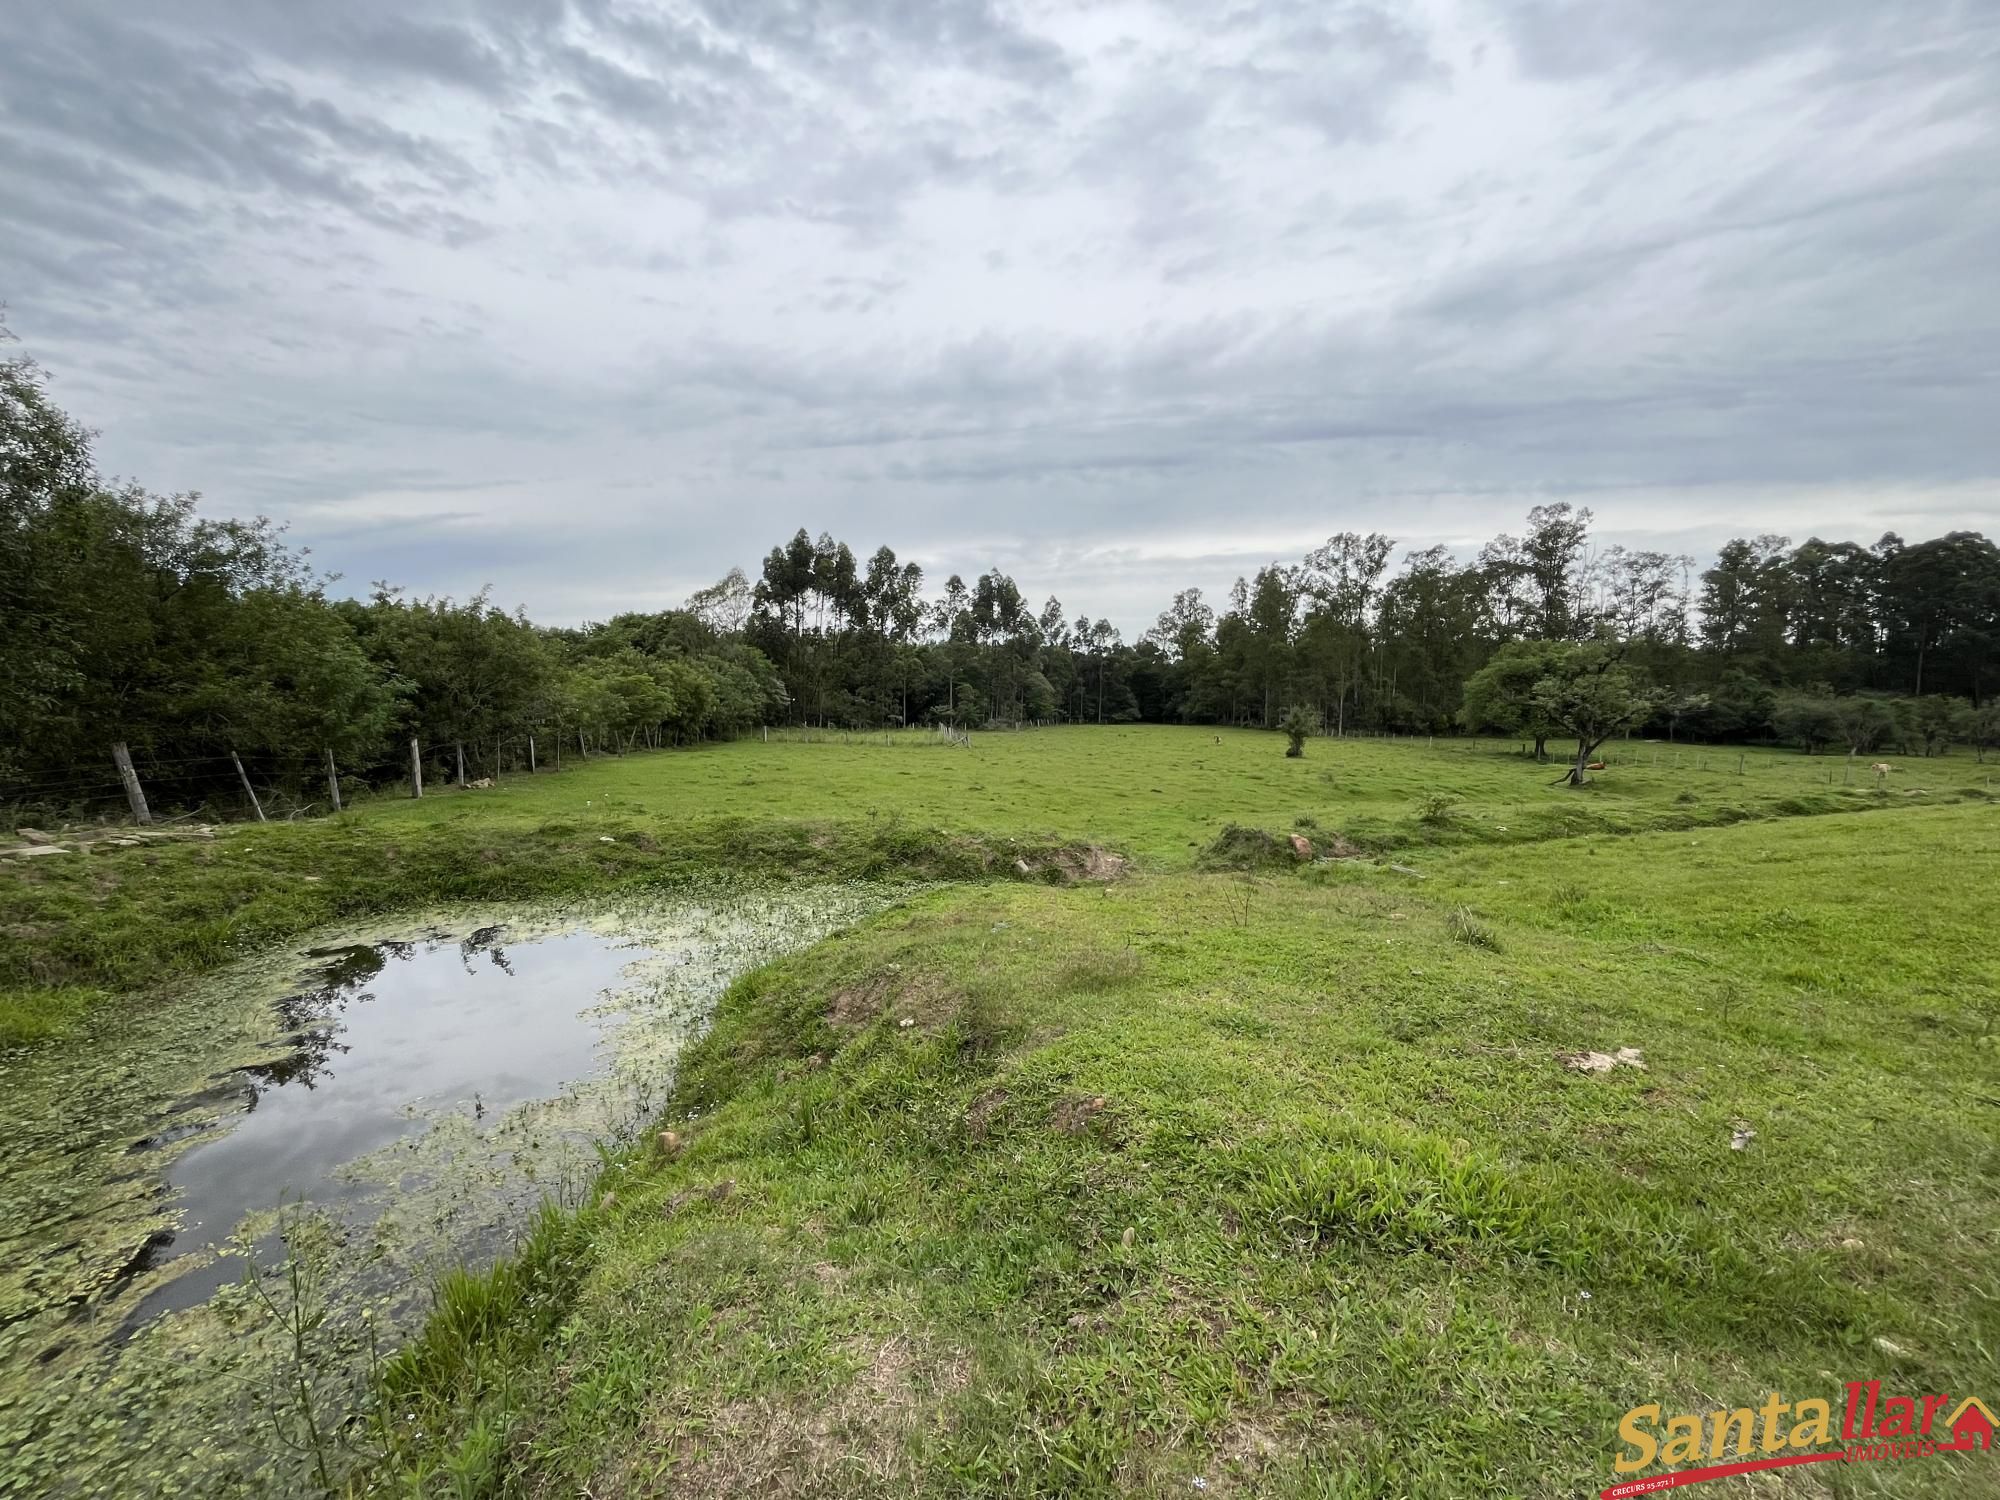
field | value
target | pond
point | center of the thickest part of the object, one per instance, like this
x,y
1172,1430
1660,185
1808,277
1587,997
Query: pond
x,y
390,1035
386,1102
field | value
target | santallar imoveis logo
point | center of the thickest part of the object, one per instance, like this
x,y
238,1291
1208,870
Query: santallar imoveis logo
x,y
1690,1448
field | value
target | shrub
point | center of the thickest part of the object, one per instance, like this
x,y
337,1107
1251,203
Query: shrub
x,y
1437,810
1297,724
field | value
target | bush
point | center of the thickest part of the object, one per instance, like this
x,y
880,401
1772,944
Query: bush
x,y
1297,725
1437,810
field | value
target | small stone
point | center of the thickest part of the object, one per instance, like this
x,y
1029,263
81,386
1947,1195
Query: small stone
x,y
1301,846
1890,1347
1741,1138
1128,1237
605,838
608,1202
670,1142
35,835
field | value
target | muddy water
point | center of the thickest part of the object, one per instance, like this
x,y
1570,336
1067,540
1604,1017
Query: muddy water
x,y
376,1107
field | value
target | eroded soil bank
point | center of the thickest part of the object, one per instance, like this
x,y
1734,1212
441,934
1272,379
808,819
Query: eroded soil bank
x,y
351,1117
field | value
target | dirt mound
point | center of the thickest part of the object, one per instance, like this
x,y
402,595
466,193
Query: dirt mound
x,y
1240,848
1070,864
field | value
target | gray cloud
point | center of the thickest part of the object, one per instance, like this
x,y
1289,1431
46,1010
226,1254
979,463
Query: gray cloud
x,y
592,299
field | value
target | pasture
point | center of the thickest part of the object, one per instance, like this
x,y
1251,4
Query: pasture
x,y
1225,1175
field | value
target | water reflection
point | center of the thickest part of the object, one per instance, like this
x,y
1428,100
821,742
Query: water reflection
x,y
386,1038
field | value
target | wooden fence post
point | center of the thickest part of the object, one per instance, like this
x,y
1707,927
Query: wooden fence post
x,y
244,777
531,755
461,762
332,779
134,793
416,769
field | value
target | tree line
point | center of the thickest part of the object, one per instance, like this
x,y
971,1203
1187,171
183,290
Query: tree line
x,y
216,653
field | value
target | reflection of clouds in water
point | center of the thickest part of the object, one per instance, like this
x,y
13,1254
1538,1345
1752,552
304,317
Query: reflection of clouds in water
x,y
459,1167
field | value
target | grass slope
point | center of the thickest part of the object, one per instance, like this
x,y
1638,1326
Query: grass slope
x,y
1278,1183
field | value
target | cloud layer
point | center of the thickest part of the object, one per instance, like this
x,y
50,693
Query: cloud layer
x,y
592,299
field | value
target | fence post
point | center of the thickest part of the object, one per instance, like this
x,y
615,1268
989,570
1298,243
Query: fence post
x,y
461,762
332,779
416,769
134,793
531,755
244,777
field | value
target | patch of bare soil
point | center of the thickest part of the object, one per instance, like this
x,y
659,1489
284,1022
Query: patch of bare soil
x,y
1076,1113
915,1000
980,1113
858,1004
853,1440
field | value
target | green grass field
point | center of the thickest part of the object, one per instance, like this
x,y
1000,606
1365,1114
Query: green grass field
x,y
1262,1181
1160,794
84,930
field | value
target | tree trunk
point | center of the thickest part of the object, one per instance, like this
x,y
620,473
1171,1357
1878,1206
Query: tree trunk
x,y
332,779
461,763
1541,748
416,769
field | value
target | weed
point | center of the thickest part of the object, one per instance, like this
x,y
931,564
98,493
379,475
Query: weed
x,y
1465,927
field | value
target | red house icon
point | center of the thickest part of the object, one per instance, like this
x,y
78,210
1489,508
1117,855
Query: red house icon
x,y
1972,1425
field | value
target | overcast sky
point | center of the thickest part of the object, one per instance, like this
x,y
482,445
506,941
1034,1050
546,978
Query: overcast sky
x,y
591,299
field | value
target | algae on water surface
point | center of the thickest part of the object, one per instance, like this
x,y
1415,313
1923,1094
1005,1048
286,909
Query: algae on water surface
x,y
133,1358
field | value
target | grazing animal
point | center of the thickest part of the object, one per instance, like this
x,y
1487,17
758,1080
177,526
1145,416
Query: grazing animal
x,y
1881,768
484,783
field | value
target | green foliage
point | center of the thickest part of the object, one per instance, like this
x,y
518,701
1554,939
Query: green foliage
x,y
1592,691
1297,727
1810,721
1436,810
